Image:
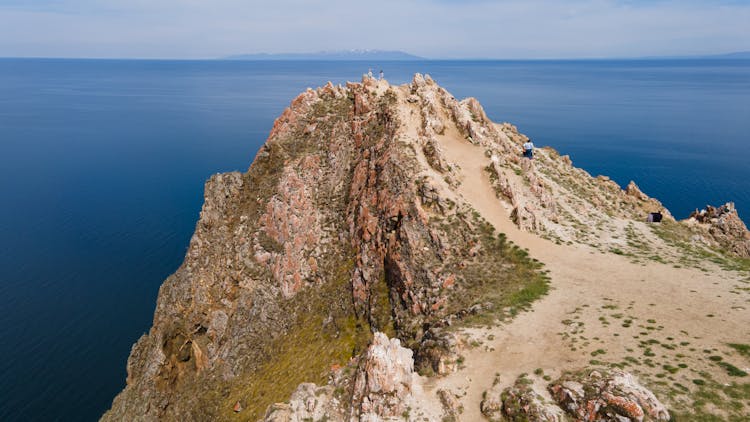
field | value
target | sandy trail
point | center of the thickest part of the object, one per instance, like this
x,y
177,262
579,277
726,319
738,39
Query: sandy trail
x,y
592,296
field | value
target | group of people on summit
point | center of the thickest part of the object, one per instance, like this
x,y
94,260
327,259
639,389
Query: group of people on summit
x,y
369,74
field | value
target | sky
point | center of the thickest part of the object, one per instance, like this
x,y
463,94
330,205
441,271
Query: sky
x,y
505,29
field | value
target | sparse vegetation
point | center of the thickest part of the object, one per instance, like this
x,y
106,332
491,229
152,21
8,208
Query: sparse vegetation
x,y
694,254
732,370
501,274
334,342
742,349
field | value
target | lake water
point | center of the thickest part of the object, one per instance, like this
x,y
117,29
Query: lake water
x,y
102,165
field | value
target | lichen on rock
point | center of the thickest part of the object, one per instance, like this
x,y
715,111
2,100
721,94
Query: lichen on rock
x,y
612,395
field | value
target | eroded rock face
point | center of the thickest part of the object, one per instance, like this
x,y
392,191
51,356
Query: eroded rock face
x,y
348,224
337,230
262,238
724,226
607,396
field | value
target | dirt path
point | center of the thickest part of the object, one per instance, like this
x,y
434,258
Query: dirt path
x,y
601,306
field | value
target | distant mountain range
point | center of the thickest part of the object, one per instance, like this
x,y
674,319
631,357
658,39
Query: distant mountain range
x,y
736,55
375,55
393,55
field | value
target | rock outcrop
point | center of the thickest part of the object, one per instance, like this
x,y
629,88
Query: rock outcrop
x,y
318,281
607,396
589,395
381,389
383,383
550,197
335,232
519,402
309,402
724,227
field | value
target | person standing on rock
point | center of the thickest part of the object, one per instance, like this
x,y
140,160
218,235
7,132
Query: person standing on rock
x,y
369,73
381,74
528,150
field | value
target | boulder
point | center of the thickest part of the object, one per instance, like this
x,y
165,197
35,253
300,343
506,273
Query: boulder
x,y
383,382
439,352
615,396
519,402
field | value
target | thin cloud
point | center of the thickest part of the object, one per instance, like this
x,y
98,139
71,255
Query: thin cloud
x,y
431,28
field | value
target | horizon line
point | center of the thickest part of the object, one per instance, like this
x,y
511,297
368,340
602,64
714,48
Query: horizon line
x,y
725,56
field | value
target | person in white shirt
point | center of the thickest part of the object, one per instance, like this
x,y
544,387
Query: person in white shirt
x,y
528,150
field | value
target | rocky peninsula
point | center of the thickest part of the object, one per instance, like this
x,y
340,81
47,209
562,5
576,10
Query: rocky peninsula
x,y
390,255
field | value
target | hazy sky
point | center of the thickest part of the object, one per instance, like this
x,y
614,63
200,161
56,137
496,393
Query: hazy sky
x,y
430,28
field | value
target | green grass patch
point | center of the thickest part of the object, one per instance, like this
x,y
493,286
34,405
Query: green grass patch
x,y
671,369
742,349
617,251
715,402
732,370
501,274
323,330
679,235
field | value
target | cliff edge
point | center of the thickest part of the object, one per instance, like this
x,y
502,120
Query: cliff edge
x,y
380,252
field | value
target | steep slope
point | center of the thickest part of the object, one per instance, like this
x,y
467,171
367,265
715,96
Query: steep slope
x,y
374,208
331,235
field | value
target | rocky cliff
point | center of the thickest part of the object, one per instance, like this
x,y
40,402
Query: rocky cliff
x,y
345,260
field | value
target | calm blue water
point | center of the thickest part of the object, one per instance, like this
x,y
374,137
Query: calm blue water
x,y
102,165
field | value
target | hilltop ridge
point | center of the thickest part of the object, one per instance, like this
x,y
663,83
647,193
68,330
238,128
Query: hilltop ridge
x,y
389,255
